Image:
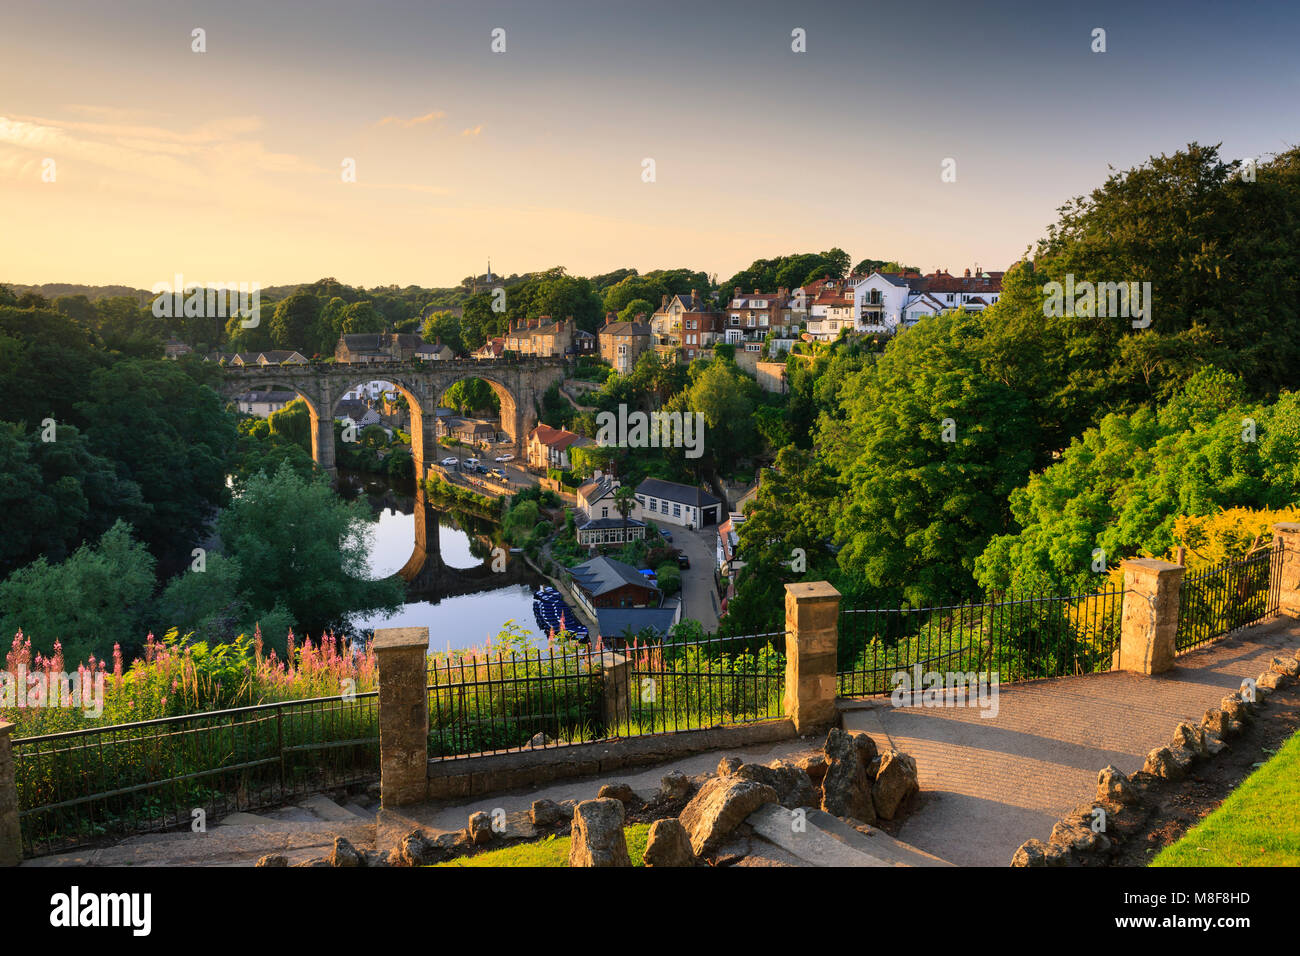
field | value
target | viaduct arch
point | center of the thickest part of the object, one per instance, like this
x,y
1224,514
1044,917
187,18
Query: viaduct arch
x,y
520,384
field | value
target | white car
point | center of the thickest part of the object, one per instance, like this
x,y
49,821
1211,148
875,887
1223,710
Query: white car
x,y
449,462
504,458
471,463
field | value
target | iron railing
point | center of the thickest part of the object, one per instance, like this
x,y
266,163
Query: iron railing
x,y
532,699
79,787
1027,637
1228,596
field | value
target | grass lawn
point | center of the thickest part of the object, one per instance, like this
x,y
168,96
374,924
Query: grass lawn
x,y
1258,825
553,851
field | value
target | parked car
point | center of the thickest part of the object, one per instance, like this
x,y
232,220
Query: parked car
x,y
501,459
450,462
498,474
668,535
683,561
472,464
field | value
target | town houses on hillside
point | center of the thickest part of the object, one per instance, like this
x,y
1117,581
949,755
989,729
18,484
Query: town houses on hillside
x,y
891,301
685,326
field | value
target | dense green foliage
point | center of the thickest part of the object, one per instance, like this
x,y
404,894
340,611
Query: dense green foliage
x,y
1064,433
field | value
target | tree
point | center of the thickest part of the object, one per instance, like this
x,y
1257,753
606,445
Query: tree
x,y
95,598
930,450
171,437
444,327
1123,485
635,309
295,322
360,317
298,544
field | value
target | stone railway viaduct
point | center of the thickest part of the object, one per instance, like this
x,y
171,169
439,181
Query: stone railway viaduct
x,y
520,384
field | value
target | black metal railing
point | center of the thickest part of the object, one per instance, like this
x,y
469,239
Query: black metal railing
x,y
532,699
499,702
1018,638
670,687
79,787
1228,596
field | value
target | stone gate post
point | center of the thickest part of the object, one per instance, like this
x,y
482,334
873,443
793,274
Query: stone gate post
x,y
1288,599
1149,619
401,654
812,615
11,837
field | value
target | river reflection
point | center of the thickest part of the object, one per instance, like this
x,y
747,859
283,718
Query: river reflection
x,y
454,622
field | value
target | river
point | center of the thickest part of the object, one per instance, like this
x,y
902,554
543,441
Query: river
x,y
455,622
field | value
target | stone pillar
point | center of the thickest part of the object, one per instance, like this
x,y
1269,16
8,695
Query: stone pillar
x,y
812,616
1288,599
401,654
616,706
424,438
1150,615
322,442
11,837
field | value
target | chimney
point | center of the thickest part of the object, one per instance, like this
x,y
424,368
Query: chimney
x,y
756,292
663,303
967,273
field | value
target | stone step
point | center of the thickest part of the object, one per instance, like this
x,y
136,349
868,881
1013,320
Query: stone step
x,y
813,846
878,843
292,815
323,808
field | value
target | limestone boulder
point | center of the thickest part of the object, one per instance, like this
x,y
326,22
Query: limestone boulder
x,y
1287,666
846,787
675,785
668,844
273,859
621,792
794,788
1269,680
1038,853
1220,724
548,813
896,780
729,765
1078,837
1113,787
597,838
344,854
1191,738
1167,764
719,807
814,765
480,828
868,753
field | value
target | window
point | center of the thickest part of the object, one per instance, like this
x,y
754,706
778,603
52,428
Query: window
x,y
654,504
677,511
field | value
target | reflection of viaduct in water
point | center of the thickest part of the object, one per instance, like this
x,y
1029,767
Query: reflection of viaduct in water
x,y
428,578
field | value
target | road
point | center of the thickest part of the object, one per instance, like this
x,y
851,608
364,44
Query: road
x,y
699,594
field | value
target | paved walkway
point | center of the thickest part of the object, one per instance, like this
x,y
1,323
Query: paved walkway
x,y
992,783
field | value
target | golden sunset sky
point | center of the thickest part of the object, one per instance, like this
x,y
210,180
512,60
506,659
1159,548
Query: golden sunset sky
x,y
225,165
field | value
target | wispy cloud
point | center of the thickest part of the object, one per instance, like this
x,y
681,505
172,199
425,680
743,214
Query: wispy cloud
x,y
431,117
472,131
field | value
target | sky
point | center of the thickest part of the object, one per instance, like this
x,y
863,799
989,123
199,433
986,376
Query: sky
x,y
228,165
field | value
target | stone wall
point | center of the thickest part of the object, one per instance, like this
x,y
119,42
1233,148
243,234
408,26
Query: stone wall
x,y
472,776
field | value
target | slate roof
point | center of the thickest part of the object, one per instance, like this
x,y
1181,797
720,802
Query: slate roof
x,y
672,491
602,575
614,622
